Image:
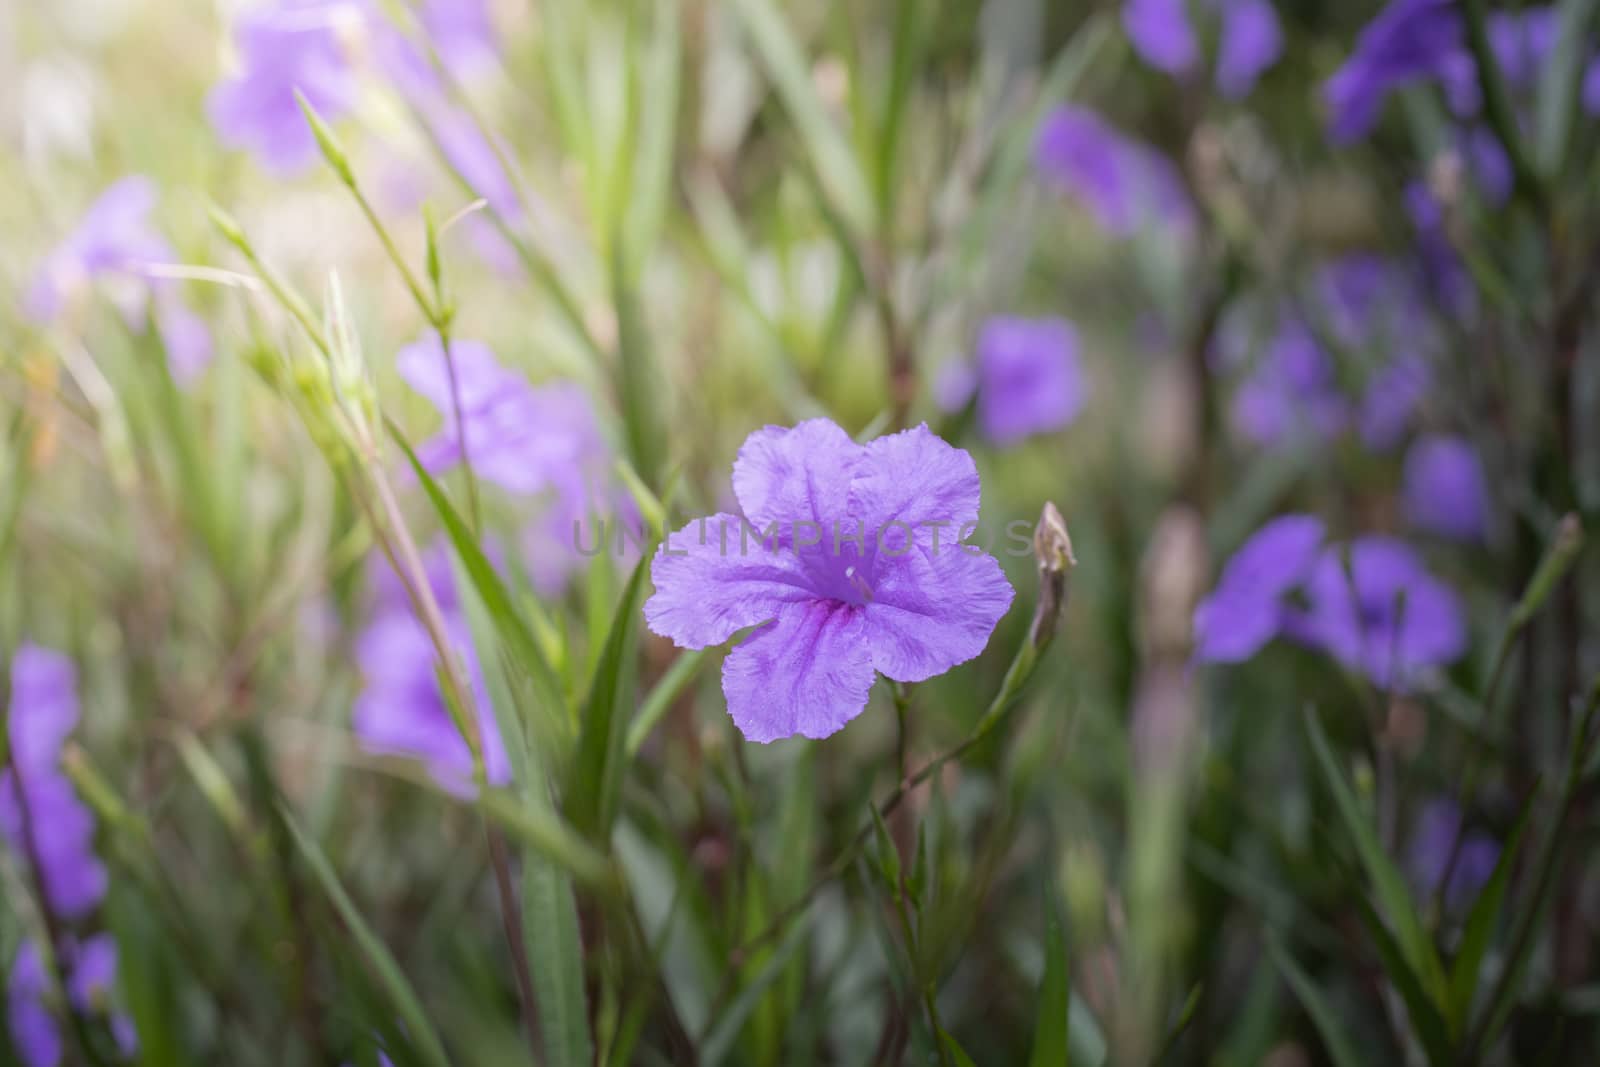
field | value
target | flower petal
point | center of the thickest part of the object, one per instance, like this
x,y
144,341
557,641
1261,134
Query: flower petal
x,y
930,612
915,477
795,475
807,673
715,577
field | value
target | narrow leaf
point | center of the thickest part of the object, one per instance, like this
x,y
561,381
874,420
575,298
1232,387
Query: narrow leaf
x,y
407,1006
1393,894
835,164
1334,1039
595,784
1051,1028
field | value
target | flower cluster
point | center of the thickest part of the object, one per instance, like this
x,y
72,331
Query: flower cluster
x,y
1413,41
1371,604
832,610
46,826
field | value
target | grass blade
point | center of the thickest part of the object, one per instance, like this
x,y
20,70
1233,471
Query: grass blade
x,y
1393,894
407,1006
1334,1040
1052,1026
595,785
837,167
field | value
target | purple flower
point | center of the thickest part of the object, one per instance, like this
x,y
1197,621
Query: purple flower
x,y
34,1033
839,564
113,241
1442,271
1251,40
90,982
533,441
1421,40
525,439
1126,185
1292,391
1391,401
1246,610
1445,492
1161,33
1029,380
41,818
1384,615
114,244
1434,840
295,45
401,711
1409,41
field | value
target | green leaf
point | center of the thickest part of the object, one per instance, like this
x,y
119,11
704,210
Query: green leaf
x,y
1389,885
407,1006
656,137
836,166
555,957
638,378
1560,86
954,1050
1334,1040
1052,1024
1424,1014
1479,929
549,908
888,855
667,690
595,784
513,631
911,26
720,1040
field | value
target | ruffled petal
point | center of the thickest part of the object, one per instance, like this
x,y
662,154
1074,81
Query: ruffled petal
x,y
931,611
807,673
795,475
715,577
915,477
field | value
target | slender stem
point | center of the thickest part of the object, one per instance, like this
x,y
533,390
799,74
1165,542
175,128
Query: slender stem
x,y
902,701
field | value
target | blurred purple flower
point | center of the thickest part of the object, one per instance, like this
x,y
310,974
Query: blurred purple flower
x,y
523,438
1409,41
1443,273
401,710
1251,39
34,1033
534,441
41,818
113,245
1420,40
90,984
1434,840
93,988
1028,377
1126,185
292,45
1246,609
1391,400
112,241
1292,391
832,612
1445,492
1161,33
1384,615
